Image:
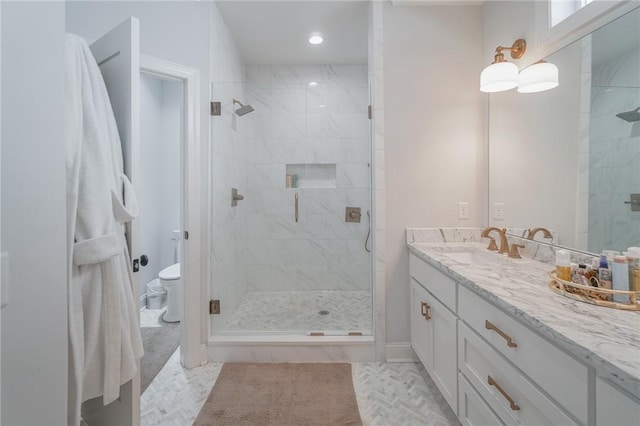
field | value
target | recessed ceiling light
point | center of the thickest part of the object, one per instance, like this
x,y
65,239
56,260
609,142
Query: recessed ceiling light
x,y
316,39
313,83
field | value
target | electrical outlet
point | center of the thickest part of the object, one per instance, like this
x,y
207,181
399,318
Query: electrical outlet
x,y
498,211
463,210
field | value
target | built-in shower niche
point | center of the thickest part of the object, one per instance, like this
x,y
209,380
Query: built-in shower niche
x,y
314,175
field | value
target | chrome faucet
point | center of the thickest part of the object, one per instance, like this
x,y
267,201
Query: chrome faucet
x,y
504,245
533,231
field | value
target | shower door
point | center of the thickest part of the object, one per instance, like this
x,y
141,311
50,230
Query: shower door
x,y
301,266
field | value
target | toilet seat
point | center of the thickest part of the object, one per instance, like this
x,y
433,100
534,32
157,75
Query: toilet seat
x,y
170,273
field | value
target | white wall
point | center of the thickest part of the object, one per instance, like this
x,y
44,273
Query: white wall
x,y
34,323
319,128
434,133
159,194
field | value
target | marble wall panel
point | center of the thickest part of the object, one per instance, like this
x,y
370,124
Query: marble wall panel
x,y
614,154
300,124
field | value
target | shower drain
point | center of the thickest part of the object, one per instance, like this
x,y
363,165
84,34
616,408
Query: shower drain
x,y
323,313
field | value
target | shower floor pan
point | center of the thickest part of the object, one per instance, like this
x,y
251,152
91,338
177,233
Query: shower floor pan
x,y
332,312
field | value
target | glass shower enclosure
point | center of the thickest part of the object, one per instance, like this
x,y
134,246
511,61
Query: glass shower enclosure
x,y
293,254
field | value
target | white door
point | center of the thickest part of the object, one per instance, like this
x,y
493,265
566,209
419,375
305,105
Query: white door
x,y
118,56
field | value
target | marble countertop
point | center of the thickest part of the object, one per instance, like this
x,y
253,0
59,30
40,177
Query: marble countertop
x,y
608,339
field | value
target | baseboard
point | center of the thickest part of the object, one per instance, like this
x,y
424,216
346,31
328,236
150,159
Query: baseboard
x,y
400,352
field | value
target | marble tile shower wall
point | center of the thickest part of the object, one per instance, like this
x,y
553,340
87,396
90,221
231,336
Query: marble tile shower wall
x,y
295,123
614,154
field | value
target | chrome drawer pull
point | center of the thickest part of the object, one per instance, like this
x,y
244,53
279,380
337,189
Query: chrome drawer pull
x,y
489,326
512,403
425,310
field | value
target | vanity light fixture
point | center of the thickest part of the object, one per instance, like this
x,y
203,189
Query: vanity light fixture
x,y
315,39
538,77
502,75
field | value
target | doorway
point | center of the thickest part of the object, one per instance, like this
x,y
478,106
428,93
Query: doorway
x,y
159,193
175,193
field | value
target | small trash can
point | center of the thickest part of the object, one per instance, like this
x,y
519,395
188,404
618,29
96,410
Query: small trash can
x,y
156,295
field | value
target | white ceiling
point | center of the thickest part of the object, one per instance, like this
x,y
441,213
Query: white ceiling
x,y
277,32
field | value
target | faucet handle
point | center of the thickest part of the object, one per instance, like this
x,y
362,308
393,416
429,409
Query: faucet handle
x,y
513,253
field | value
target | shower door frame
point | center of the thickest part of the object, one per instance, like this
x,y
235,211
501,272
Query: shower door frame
x,y
193,351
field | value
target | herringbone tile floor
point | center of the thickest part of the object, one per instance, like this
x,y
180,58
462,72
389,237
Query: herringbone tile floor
x,y
388,394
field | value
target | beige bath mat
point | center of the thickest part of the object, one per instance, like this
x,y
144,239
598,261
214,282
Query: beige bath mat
x,y
281,394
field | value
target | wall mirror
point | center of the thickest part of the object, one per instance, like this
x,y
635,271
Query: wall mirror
x,y
569,159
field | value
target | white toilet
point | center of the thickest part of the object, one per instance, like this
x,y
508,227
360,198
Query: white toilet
x,y
170,280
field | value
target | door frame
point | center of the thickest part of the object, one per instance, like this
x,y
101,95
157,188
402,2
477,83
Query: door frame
x,y
193,352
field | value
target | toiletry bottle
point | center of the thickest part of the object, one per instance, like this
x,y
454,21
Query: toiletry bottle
x,y
563,265
580,275
633,256
604,274
620,277
289,181
593,270
610,254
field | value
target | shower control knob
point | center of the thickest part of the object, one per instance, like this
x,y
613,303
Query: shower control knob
x,y
144,260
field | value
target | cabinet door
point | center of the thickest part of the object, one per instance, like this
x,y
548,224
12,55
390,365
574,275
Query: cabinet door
x,y
421,327
444,352
613,407
434,340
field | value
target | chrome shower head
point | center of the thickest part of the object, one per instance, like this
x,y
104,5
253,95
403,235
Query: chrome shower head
x,y
630,116
244,109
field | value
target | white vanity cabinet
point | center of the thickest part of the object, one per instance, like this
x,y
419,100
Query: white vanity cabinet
x,y
519,362
434,327
614,407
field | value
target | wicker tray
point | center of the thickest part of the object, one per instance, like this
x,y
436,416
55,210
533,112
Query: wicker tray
x,y
594,295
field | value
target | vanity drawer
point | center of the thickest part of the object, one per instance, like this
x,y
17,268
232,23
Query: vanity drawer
x,y
473,409
441,286
511,395
558,374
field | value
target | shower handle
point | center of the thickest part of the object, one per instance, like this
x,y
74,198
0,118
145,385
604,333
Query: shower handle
x,y
296,206
235,197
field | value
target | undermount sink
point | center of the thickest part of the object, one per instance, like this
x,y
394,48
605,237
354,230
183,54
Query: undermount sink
x,y
471,256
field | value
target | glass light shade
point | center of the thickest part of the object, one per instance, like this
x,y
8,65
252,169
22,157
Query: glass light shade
x,y
499,77
316,39
538,78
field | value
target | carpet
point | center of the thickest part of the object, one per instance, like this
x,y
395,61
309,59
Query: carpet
x,y
281,394
159,343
